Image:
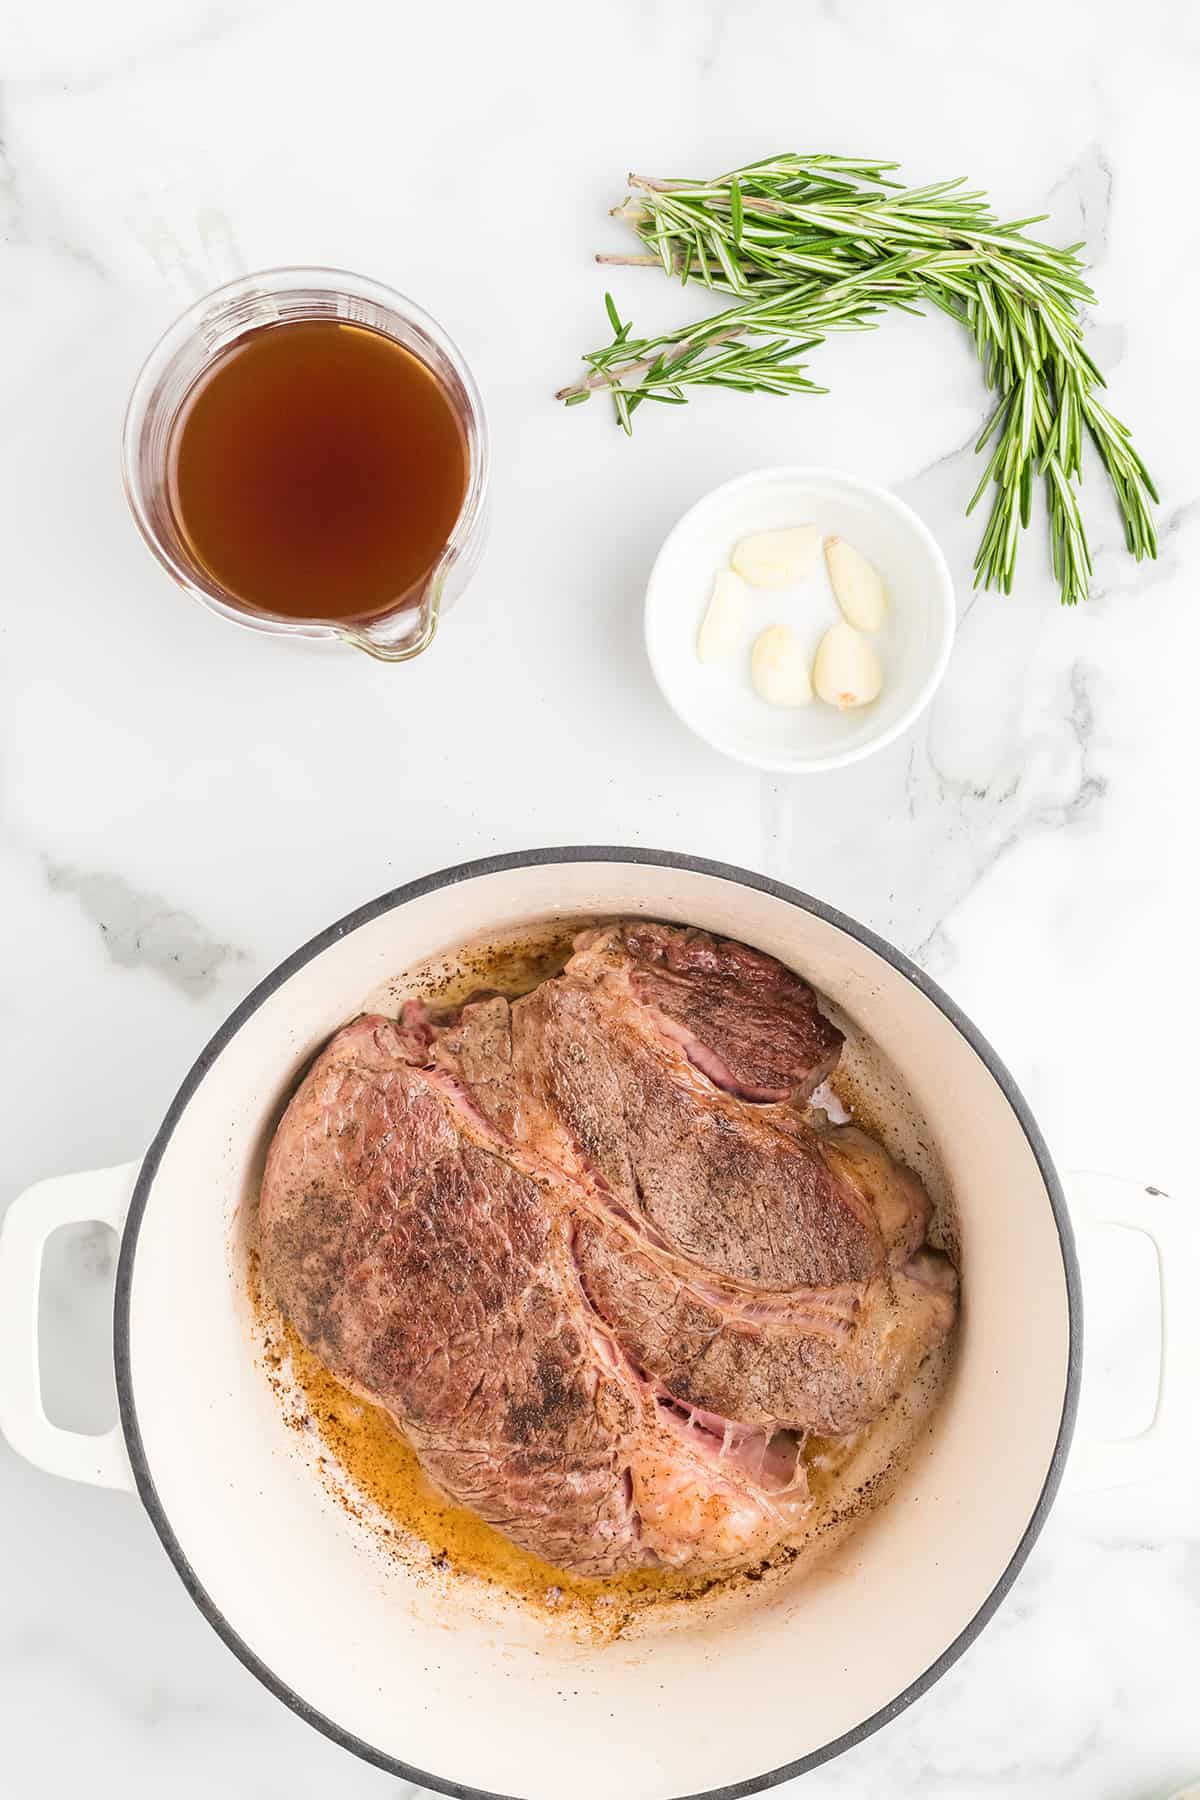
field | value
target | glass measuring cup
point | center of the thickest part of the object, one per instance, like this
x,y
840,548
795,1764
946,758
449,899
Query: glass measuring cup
x,y
191,347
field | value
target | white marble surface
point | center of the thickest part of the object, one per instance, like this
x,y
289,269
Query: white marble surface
x,y
183,802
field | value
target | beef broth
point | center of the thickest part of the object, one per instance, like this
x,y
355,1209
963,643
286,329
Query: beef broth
x,y
316,471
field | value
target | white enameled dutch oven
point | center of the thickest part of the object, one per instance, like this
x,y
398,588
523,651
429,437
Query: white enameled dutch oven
x,y
475,1704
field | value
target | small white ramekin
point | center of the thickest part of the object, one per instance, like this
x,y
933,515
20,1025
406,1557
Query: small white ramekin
x,y
717,702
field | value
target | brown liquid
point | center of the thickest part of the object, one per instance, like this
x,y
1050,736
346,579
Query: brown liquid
x,y
317,471
385,1469
366,1458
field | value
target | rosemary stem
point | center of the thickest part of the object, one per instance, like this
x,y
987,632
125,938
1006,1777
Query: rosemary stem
x,y
629,371
645,184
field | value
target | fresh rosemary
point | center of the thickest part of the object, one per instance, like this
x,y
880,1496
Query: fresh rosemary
x,y
807,245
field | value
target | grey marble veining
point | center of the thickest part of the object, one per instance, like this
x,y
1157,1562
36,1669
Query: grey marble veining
x,y
143,929
181,803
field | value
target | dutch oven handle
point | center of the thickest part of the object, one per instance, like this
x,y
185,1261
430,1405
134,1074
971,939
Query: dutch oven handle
x,y
103,1194
1173,1228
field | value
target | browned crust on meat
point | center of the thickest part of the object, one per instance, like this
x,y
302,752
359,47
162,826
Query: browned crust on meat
x,y
827,1368
761,1019
729,1185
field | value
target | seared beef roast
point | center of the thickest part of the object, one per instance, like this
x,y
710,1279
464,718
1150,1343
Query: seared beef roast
x,y
593,1255
430,1265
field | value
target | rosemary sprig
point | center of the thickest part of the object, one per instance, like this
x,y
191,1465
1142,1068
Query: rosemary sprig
x,y
808,245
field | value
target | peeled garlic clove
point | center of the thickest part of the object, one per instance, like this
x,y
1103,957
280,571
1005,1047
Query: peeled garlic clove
x,y
723,621
847,671
860,592
777,559
779,668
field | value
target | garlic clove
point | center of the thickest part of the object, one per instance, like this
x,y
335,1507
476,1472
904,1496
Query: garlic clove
x,y
722,627
779,668
847,670
777,559
856,583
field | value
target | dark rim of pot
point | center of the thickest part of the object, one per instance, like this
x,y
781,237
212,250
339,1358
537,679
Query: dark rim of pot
x,y
491,865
